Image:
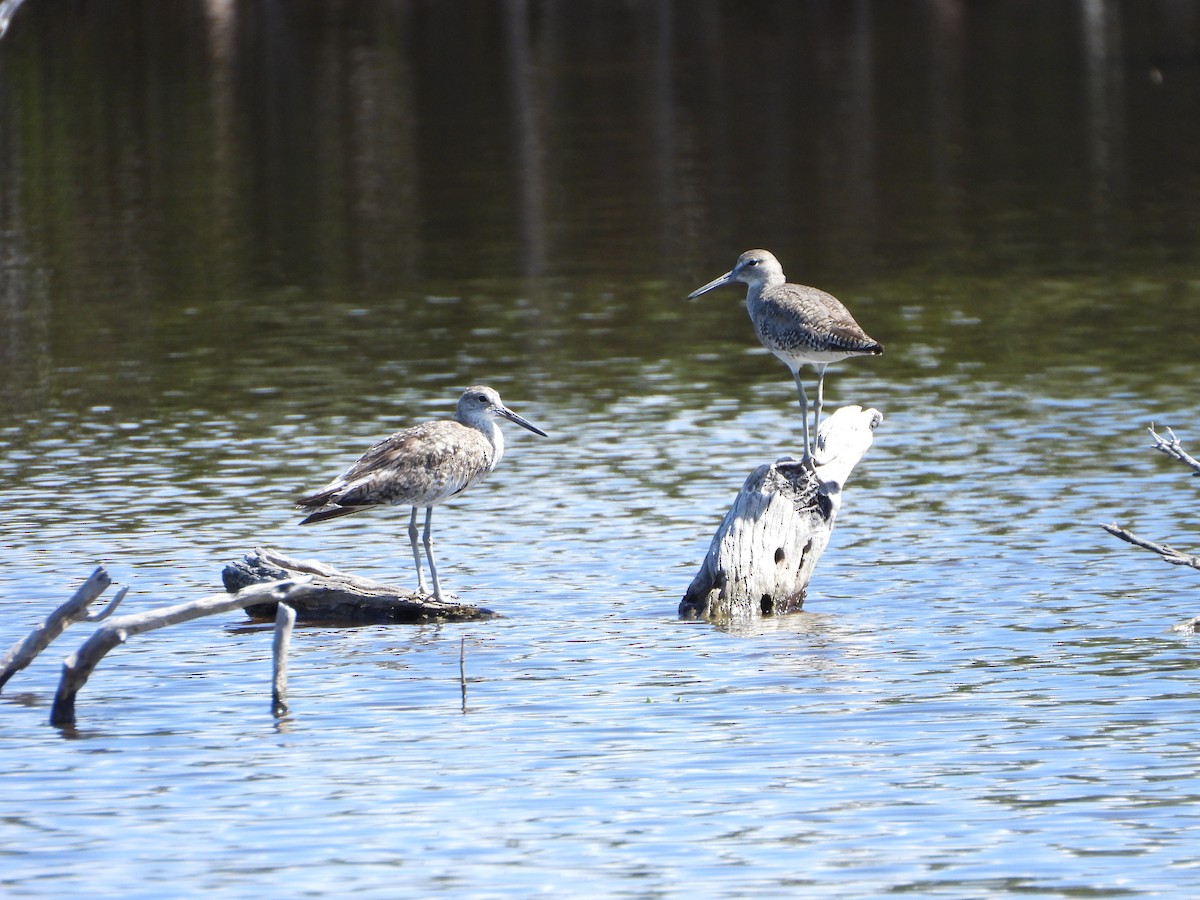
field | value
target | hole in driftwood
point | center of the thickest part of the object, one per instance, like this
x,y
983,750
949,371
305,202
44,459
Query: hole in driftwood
x,y
779,555
766,604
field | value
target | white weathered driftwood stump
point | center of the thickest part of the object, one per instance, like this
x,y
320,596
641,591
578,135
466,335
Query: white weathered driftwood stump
x,y
766,548
338,598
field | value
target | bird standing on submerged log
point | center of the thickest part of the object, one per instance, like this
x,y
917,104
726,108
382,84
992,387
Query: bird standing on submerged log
x,y
423,466
801,325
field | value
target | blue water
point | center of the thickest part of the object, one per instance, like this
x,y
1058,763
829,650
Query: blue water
x,y
241,242
981,697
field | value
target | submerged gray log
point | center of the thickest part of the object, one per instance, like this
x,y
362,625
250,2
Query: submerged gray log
x,y
766,548
340,598
1168,553
1172,447
285,619
78,667
22,653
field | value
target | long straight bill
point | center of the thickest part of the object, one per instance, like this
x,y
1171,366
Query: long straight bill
x,y
715,283
524,423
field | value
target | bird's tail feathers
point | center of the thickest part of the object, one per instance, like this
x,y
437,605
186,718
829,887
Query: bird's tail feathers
x,y
329,512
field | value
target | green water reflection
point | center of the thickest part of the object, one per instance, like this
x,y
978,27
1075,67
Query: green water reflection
x,y
215,205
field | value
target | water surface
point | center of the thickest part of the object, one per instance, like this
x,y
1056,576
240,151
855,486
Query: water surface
x,y
242,242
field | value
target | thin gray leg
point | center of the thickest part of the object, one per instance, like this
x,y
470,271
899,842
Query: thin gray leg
x,y
804,414
820,398
437,587
412,538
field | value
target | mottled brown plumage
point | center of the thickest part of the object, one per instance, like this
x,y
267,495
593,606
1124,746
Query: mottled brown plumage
x,y
421,466
801,325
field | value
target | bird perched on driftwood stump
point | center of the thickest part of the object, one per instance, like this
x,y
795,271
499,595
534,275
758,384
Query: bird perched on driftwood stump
x,y
801,325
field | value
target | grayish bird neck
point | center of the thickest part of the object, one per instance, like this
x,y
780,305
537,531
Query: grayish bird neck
x,y
768,275
755,290
487,426
491,431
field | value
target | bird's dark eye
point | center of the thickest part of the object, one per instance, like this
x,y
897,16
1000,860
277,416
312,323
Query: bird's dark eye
x,y
753,262
482,398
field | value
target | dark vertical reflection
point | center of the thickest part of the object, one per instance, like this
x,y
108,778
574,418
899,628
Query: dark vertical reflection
x,y
24,302
704,124
385,239
946,122
1102,53
390,175
222,37
856,180
531,150
663,126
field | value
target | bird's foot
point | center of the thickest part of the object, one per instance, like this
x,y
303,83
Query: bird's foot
x,y
790,462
